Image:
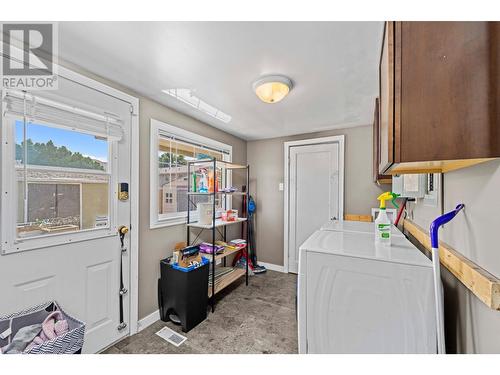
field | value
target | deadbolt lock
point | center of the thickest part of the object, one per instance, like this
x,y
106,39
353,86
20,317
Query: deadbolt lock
x,y
123,191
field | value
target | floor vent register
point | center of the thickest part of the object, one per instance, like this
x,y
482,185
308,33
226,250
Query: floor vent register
x,y
171,336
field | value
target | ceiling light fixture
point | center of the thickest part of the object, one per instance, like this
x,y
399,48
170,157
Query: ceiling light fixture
x,y
272,89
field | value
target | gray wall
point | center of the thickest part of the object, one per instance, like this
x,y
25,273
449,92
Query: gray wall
x,y
266,172
471,327
156,244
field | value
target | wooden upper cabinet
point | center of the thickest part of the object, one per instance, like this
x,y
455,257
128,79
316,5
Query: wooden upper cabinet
x,y
386,100
377,177
446,98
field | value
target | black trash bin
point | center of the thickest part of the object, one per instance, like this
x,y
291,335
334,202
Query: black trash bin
x,y
184,294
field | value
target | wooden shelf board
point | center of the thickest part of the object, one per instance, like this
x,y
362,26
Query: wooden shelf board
x,y
218,223
384,181
442,166
226,280
226,253
483,284
350,217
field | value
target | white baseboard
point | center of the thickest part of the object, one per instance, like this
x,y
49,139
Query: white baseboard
x,y
272,267
148,320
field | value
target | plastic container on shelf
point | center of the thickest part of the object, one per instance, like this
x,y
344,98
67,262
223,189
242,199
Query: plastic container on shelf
x,y
205,213
176,266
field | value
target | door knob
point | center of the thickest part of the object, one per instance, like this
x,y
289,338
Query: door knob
x,y
122,231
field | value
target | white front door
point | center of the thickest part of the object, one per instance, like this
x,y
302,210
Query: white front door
x,y
314,193
60,209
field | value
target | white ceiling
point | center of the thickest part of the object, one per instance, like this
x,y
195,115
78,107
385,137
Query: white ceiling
x,y
333,66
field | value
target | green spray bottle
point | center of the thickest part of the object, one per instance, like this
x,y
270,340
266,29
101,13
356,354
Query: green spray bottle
x,y
383,223
194,182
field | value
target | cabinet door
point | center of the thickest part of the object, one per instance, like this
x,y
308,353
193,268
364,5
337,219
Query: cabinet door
x,y
386,95
377,177
450,82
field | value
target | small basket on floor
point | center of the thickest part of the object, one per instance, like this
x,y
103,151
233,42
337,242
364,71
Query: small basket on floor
x,y
70,342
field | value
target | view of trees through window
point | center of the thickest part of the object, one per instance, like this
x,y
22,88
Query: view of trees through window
x,y
49,154
167,159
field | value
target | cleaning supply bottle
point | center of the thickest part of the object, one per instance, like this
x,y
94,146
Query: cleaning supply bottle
x,y
211,182
194,181
216,181
203,184
383,223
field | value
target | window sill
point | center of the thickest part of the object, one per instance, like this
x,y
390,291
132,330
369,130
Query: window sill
x,y
168,223
34,243
164,223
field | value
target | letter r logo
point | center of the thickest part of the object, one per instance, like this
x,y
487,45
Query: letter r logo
x,y
36,41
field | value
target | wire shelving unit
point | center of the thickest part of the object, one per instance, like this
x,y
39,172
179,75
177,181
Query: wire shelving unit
x,y
218,226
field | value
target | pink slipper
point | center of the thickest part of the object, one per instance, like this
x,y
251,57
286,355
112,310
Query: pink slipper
x,y
53,326
61,327
48,325
48,328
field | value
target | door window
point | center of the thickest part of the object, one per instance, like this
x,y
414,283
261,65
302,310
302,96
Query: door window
x,y
64,186
57,172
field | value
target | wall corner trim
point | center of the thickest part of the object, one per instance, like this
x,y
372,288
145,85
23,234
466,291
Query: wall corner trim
x,y
148,320
273,267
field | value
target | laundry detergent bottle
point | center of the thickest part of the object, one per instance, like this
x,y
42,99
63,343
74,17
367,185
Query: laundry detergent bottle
x,y
382,223
203,184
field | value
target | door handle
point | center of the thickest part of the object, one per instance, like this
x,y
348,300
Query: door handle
x,y
122,231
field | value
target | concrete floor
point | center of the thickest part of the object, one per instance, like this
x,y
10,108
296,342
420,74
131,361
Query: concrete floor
x,y
260,318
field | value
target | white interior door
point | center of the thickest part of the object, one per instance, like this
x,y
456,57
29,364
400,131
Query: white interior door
x,y
314,193
62,213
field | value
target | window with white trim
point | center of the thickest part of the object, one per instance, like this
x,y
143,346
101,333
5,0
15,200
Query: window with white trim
x,y
56,171
171,150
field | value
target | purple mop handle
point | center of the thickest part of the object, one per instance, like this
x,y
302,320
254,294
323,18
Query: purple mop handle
x,y
441,220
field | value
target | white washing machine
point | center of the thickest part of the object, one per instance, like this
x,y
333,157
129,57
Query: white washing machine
x,y
358,297
356,226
